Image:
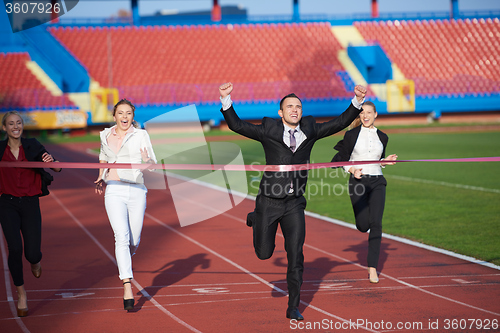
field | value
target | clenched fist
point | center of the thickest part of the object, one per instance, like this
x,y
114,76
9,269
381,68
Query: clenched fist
x,y
225,89
360,92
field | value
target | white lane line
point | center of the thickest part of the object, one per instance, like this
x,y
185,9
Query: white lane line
x,y
160,287
8,290
343,259
446,276
134,281
409,242
382,274
143,307
403,282
352,226
331,291
435,182
255,276
328,290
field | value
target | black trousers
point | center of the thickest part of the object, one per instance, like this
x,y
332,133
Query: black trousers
x,y
289,214
21,219
368,201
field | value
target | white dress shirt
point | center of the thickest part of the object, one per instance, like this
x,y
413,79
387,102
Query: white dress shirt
x,y
368,147
299,136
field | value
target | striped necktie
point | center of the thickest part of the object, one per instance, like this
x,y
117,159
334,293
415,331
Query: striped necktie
x,y
293,146
293,142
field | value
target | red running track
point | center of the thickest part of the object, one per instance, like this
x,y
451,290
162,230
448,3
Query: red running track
x,y
206,277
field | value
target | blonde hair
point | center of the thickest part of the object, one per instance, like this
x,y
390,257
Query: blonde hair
x,y
355,123
8,114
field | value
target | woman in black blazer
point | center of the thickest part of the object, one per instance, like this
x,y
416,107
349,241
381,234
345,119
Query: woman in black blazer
x,y
366,183
19,205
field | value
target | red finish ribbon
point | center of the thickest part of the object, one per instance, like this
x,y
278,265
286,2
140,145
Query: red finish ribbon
x,y
226,167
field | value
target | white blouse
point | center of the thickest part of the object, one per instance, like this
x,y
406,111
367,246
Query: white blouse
x,y
129,152
368,147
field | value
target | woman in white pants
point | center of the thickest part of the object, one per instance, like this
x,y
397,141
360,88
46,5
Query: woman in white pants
x,y
125,196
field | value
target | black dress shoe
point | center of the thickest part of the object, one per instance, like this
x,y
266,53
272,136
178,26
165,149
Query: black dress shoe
x,y
250,218
294,314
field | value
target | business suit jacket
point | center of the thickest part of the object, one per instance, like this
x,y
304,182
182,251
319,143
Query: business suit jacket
x,y
33,151
346,145
270,134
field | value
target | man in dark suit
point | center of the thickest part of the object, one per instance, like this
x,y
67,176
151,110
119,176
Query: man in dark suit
x,y
280,200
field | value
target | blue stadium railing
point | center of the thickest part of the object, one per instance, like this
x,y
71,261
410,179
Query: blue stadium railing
x,y
241,19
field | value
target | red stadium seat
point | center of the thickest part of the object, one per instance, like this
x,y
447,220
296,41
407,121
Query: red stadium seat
x,y
198,55
441,49
23,90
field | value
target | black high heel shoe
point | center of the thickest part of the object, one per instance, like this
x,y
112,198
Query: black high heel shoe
x,y
128,304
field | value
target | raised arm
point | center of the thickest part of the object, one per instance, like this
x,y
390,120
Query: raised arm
x,y
234,122
360,93
225,89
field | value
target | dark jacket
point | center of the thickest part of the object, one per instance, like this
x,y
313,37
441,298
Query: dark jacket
x,y
33,150
270,134
346,145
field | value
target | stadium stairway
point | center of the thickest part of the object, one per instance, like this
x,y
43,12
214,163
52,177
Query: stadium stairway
x,y
29,87
44,79
349,35
81,100
56,60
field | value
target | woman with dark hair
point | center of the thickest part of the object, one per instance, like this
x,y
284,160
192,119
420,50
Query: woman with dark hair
x,y
20,189
364,142
125,195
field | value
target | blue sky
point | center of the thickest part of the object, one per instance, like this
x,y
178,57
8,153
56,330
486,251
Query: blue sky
x,y
94,8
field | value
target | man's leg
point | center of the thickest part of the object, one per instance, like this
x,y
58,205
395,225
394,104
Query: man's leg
x,y
265,223
294,231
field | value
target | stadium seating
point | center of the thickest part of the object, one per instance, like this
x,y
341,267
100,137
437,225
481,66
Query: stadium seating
x,y
185,64
167,65
443,57
23,91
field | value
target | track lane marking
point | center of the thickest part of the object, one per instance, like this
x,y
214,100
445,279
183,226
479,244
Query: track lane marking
x,y
134,281
229,261
445,276
436,182
8,290
314,248
381,274
403,282
323,291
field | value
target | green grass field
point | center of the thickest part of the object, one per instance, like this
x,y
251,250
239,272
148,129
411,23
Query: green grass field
x,y
455,206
